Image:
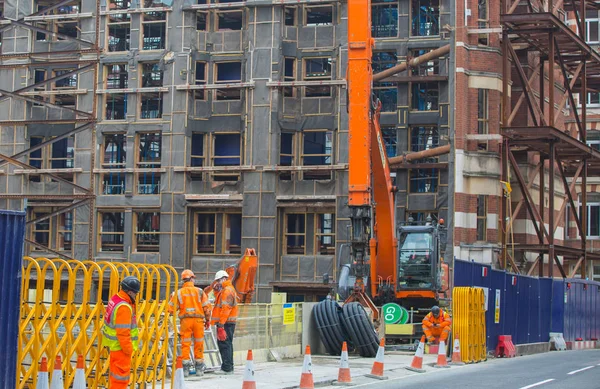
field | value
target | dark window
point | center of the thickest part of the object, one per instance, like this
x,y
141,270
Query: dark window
x,y
295,233
116,76
230,20
384,19
482,217
290,16
116,106
201,18
151,105
317,69
317,150
147,233
425,17
226,152
206,233
325,231
115,153
319,15
200,94
152,76
197,155
112,231
425,96
286,154
63,153
119,32
390,137
154,28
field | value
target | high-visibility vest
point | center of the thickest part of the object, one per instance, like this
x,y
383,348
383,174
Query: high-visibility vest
x,y
443,317
109,329
192,302
227,298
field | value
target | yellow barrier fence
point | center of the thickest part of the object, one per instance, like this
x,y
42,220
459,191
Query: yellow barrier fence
x,y
468,323
63,304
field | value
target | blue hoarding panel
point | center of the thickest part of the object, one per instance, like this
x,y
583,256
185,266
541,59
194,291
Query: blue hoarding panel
x,y
545,309
12,234
558,306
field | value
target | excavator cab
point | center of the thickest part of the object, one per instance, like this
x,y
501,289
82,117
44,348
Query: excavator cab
x,y
419,256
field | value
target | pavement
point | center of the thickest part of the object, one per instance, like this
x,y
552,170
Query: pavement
x,y
566,369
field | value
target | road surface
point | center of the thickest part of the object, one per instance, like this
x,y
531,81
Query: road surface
x,y
554,370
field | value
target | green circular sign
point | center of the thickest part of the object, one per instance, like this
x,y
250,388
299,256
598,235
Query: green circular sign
x,y
392,313
404,318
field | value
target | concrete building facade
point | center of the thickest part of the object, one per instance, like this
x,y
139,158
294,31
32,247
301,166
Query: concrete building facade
x,y
222,125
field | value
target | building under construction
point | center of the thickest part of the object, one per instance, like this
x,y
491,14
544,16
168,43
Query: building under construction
x,y
185,132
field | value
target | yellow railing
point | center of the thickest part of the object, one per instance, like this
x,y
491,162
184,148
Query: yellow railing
x,y
468,323
62,309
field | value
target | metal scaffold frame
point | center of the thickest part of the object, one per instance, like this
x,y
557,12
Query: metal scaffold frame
x,y
85,58
534,30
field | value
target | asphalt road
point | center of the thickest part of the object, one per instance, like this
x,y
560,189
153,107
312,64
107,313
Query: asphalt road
x,y
554,370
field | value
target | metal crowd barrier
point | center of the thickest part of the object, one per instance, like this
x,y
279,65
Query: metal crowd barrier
x,y
62,308
468,323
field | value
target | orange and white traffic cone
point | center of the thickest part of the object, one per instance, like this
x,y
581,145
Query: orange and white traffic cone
x,y
79,381
441,360
42,378
417,362
57,375
456,357
377,370
344,377
179,378
306,381
249,380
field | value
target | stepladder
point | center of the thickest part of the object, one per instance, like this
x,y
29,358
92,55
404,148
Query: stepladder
x,y
212,356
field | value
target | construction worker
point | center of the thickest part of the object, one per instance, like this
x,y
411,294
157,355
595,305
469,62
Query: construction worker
x,y
436,325
194,316
120,332
224,317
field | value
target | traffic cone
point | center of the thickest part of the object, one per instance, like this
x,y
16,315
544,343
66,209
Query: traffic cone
x,y
179,378
79,381
249,381
57,376
441,360
306,381
42,378
417,363
456,357
377,370
344,377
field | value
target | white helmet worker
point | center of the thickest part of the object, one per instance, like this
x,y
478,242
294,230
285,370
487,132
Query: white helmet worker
x,y
220,274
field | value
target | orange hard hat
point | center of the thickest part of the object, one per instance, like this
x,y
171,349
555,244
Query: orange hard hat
x,y
187,274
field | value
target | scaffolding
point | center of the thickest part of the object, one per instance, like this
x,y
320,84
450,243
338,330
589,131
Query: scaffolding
x,y
50,54
534,34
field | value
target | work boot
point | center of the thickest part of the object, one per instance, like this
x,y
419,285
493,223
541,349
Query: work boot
x,y
186,368
200,367
223,372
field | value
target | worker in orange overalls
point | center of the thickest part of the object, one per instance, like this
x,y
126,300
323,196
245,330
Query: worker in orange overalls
x,y
436,325
194,316
224,316
120,332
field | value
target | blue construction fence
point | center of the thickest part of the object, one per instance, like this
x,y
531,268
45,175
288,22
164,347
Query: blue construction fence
x,y
529,308
12,235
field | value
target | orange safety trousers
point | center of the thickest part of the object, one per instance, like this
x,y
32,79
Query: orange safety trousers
x,y
440,333
192,328
120,368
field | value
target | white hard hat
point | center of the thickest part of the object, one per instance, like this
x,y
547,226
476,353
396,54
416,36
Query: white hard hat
x,y
220,274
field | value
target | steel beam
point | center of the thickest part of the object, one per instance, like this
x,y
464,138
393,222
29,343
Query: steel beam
x,y
55,177
541,229
48,142
529,95
48,249
58,212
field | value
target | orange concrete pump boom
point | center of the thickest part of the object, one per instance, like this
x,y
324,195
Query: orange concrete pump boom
x,y
369,183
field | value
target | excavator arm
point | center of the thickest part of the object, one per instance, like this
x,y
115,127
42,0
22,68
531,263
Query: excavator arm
x,y
242,275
